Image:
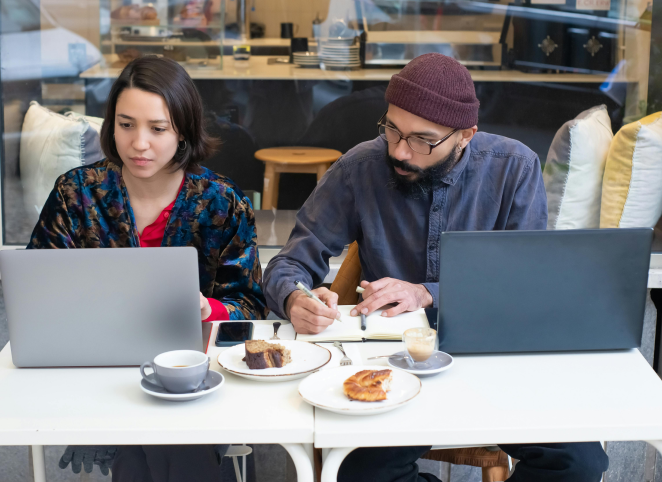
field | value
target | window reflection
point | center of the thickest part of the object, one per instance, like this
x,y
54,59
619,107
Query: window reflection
x,y
535,64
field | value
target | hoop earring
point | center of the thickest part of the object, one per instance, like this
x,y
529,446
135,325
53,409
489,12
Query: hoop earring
x,y
179,145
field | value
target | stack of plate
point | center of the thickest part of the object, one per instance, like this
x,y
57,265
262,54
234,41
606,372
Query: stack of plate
x,y
340,54
306,59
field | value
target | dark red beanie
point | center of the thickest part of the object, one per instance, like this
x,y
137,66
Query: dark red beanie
x,y
437,88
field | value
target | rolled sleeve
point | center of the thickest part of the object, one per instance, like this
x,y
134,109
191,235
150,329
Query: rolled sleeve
x,y
433,288
324,226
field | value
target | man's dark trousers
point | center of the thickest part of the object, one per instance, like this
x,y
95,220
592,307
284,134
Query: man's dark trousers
x,y
562,462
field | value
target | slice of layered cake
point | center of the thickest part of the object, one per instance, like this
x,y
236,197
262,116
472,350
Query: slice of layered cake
x,y
260,354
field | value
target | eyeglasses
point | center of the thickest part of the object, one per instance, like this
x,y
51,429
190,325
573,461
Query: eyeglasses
x,y
393,136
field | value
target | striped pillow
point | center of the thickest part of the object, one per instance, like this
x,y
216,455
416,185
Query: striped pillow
x,y
632,185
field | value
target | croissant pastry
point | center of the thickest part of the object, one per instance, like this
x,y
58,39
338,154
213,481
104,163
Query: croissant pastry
x,y
368,385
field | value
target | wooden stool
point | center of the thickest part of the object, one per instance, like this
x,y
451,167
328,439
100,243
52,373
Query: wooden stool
x,y
307,160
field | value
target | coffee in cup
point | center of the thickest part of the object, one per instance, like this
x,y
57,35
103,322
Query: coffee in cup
x,y
420,343
179,371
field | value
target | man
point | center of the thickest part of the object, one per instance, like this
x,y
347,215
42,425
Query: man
x,y
428,172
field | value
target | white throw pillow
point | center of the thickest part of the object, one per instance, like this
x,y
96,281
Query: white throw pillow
x,y
52,144
95,122
574,170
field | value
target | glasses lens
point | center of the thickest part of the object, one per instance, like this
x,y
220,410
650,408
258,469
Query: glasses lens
x,y
419,145
391,135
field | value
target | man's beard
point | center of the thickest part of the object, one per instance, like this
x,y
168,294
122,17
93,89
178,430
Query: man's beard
x,y
427,180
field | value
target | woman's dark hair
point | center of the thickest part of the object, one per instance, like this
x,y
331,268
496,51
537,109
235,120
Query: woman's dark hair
x,y
166,78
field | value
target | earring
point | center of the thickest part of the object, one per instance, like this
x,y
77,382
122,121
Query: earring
x,y
179,145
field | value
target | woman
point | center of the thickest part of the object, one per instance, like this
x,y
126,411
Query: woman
x,y
150,192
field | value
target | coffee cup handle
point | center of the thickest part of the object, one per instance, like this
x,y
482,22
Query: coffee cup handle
x,y
153,381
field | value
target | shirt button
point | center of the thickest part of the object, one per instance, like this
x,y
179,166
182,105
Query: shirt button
x,y
435,209
166,215
432,247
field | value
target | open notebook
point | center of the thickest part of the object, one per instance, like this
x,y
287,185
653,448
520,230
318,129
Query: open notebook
x,y
377,327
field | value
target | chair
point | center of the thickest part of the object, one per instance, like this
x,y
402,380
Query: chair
x,y
314,160
493,462
235,451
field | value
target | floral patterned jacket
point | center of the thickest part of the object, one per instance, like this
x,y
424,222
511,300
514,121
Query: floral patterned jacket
x,y
89,208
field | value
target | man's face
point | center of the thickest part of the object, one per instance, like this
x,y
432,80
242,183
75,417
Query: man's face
x,y
415,173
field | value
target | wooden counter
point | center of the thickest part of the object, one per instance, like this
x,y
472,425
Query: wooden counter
x,y
258,69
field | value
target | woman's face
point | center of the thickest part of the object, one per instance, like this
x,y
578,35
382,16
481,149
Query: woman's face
x,y
145,139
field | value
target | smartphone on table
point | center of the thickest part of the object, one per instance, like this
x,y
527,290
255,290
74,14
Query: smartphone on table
x,y
232,333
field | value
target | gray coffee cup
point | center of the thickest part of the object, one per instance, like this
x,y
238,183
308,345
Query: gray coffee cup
x,y
178,371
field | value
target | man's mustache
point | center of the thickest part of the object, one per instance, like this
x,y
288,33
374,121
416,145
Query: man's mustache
x,y
405,166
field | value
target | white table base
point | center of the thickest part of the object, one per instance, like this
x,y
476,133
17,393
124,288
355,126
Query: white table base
x,y
302,456
335,457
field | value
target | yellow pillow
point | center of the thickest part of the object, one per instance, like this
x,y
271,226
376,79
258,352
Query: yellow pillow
x,y
632,183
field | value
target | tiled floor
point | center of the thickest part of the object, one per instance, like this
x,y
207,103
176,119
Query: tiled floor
x,y
271,463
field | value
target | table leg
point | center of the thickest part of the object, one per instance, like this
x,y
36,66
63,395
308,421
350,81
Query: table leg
x,y
302,462
268,187
310,451
332,463
274,192
38,463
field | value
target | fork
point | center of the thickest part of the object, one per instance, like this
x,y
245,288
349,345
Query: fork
x,y
276,326
345,360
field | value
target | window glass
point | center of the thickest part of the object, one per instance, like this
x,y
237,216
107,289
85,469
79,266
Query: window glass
x,y
536,65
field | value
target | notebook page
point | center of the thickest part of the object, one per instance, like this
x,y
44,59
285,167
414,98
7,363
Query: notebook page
x,y
378,327
392,328
349,329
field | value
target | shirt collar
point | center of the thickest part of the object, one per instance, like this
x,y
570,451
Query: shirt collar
x,y
455,173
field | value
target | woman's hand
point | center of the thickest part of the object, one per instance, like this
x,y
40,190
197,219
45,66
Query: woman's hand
x,y
205,308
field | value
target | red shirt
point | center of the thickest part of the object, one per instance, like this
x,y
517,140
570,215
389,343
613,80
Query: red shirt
x,y
152,237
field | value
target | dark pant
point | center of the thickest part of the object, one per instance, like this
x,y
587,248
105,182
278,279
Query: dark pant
x,y
565,462
168,463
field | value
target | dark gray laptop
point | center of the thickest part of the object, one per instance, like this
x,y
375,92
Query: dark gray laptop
x,y
531,291
100,307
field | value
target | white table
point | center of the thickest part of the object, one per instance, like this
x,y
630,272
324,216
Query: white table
x,y
487,400
105,406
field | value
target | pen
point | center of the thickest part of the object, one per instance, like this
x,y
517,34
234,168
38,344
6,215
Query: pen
x,y
311,295
360,291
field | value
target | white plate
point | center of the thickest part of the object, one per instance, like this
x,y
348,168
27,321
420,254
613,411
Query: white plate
x,y
214,381
306,359
325,390
339,58
343,46
439,362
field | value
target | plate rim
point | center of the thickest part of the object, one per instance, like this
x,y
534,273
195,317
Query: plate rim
x,y
218,359
333,409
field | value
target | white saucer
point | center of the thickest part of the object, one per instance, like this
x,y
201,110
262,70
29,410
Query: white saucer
x,y
439,362
306,359
324,390
214,381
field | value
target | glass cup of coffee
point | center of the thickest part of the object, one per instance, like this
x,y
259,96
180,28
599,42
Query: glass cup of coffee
x,y
179,371
420,345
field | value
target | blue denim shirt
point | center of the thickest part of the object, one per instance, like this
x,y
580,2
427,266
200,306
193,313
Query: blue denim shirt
x,y
497,184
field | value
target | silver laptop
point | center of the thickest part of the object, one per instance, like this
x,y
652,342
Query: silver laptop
x,y
100,307
532,291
